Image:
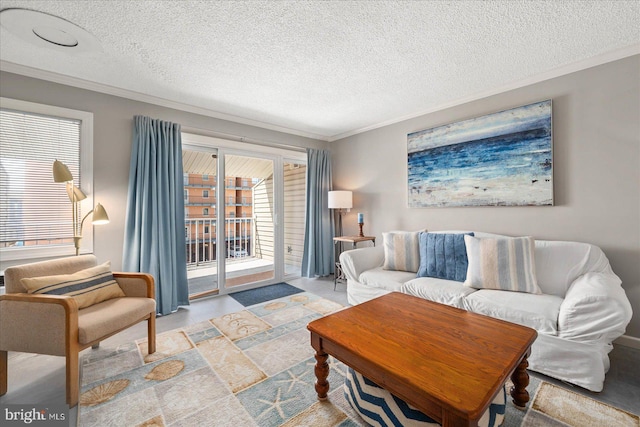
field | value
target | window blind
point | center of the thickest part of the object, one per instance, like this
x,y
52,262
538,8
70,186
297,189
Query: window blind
x,y
35,210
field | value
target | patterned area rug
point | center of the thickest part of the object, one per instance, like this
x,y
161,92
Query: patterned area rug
x,y
256,368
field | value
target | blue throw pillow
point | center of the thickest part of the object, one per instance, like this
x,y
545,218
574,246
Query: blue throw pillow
x,y
443,256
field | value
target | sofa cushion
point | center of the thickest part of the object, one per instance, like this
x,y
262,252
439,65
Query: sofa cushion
x,y
539,312
443,255
438,290
389,280
110,316
401,250
504,263
90,286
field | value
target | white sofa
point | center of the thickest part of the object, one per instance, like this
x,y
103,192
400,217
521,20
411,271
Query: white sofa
x,y
582,309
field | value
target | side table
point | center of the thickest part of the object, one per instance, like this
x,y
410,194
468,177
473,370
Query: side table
x,y
354,240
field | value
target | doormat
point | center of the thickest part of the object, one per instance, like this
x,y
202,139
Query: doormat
x,y
265,293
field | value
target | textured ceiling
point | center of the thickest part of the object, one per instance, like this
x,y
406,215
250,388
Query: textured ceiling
x,y
326,68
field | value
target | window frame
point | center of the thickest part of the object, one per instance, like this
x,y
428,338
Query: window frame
x,y
86,179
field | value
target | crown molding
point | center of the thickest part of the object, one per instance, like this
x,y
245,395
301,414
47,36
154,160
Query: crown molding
x,y
50,76
594,61
603,58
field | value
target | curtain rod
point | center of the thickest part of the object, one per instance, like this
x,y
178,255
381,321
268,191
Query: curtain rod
x,y
216,134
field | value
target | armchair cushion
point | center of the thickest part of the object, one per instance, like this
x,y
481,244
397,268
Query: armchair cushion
x,y
88,287
103,319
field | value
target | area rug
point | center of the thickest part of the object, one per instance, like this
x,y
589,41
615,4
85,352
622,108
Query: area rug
x,y
255,367
264,293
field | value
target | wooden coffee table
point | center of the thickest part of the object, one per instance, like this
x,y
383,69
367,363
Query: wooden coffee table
x,y
447,362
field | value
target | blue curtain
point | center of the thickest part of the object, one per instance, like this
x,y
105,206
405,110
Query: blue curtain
x,y
317,259
154,240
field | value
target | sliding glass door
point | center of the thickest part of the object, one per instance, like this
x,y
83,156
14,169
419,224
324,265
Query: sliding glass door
x,y
249,219
244,215
200,169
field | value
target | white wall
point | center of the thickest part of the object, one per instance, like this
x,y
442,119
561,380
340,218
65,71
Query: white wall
x,y
113,129
596,143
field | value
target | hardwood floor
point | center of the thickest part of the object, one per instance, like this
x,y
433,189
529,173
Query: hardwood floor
x,y
40,378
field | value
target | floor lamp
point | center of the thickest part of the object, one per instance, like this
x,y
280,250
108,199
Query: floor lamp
x,y
343,202
61,173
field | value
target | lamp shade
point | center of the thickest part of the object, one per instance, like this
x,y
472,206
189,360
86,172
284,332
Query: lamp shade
x,y
340,199
100,215
61,172
75,193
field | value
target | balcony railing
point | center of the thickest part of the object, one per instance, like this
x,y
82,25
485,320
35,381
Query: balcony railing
x,y
201,245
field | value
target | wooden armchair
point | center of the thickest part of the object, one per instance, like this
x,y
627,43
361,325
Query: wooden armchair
x,y
54,325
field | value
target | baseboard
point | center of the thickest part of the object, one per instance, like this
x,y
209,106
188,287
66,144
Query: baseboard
x,y
628,341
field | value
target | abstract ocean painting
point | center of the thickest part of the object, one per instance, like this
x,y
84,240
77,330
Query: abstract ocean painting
x,y
501,159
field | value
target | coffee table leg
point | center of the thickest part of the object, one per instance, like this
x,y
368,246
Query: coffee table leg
x,y
322,372
520,379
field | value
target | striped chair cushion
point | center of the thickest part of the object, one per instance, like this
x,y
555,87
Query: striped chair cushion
x,y
401,250
506,264
378,407
87,287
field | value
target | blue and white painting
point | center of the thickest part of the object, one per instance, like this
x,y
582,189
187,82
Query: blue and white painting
x,y
501,159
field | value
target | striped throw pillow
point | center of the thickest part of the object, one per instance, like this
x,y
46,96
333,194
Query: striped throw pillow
x,y
401,250
506,264
87,287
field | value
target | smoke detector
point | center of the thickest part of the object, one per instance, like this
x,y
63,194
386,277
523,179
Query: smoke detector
x,y
48,31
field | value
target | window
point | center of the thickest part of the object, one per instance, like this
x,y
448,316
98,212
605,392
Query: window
x,y
205,177
205,194
186,196
35,217
205,212
206,229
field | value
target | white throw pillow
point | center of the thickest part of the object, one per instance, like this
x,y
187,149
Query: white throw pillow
x,y
506,264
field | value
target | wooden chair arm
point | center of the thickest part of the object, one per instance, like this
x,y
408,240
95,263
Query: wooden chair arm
x,y
48,322
131,283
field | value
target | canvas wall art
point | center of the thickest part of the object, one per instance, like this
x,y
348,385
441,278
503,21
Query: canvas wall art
x,y
501,159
